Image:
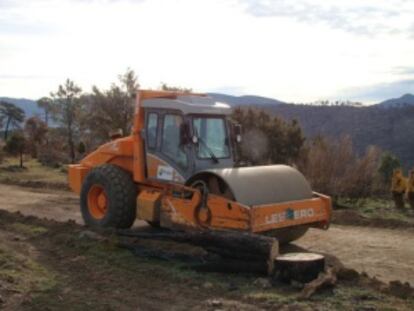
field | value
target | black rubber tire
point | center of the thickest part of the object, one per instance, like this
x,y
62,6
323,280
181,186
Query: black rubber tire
x,y
121,192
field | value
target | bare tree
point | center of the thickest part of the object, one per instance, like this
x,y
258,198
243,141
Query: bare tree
x,y
105,111
67,100
46,103
35,130
16,145
332,167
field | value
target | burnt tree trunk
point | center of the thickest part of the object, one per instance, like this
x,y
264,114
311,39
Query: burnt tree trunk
x,y
21,158
6,130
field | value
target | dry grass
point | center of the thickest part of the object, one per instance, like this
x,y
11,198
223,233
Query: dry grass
x,y
377,208
33,171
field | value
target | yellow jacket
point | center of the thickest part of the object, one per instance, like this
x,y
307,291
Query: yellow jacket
x,y
399,183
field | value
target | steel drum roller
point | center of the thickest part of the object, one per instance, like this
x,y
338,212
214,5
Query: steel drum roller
x,y
258,185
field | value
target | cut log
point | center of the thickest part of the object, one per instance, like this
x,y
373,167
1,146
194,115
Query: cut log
x,y
211,263
161,254
228,244
300,267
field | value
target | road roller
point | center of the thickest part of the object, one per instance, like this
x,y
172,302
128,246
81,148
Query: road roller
x,y
178,169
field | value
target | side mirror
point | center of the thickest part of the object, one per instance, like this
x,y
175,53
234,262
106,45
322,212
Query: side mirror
x,y
238,132
184,134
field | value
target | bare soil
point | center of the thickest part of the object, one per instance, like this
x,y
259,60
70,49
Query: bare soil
x,y
387,254
52,264
40,202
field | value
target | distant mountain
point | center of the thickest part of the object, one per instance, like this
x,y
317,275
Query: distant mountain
x,y
407,99
247,100
367,125
28,105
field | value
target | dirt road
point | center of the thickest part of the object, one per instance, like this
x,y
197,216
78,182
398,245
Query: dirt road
x,y
52,204
387,254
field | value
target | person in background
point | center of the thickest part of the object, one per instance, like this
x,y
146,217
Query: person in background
x,y
398,188
410,189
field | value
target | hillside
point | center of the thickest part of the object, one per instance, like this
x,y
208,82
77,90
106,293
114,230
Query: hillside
x,y
386,124
386,127
28,105
246,100
407,99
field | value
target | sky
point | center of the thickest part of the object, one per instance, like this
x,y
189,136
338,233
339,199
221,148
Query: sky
x,y
295,51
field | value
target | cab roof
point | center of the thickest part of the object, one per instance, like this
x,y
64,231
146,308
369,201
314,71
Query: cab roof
x,y
189,104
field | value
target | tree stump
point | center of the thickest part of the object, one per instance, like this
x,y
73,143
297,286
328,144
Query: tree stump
x,y
299,267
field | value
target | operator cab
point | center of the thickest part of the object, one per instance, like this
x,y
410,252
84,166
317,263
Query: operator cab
x,y
187,134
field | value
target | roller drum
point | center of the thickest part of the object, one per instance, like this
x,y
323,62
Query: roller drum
x,y
259,185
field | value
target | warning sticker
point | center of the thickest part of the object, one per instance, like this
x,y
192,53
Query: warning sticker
x,y
165,172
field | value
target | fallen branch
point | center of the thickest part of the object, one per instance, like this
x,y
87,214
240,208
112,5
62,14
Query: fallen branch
x,y
325,279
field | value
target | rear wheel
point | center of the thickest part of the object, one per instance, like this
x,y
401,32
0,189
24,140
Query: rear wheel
x,y
108,197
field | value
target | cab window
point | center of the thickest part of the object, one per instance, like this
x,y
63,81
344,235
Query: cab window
x,y
152,126
212,135
171,140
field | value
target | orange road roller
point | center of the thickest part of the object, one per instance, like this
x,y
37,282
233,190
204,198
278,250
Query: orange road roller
x,y
178,170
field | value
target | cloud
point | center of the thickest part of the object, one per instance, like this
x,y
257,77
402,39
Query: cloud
x,y
411,31
22,27
44,17
15,19
23,77
8,4
404,70
291,50
369,19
